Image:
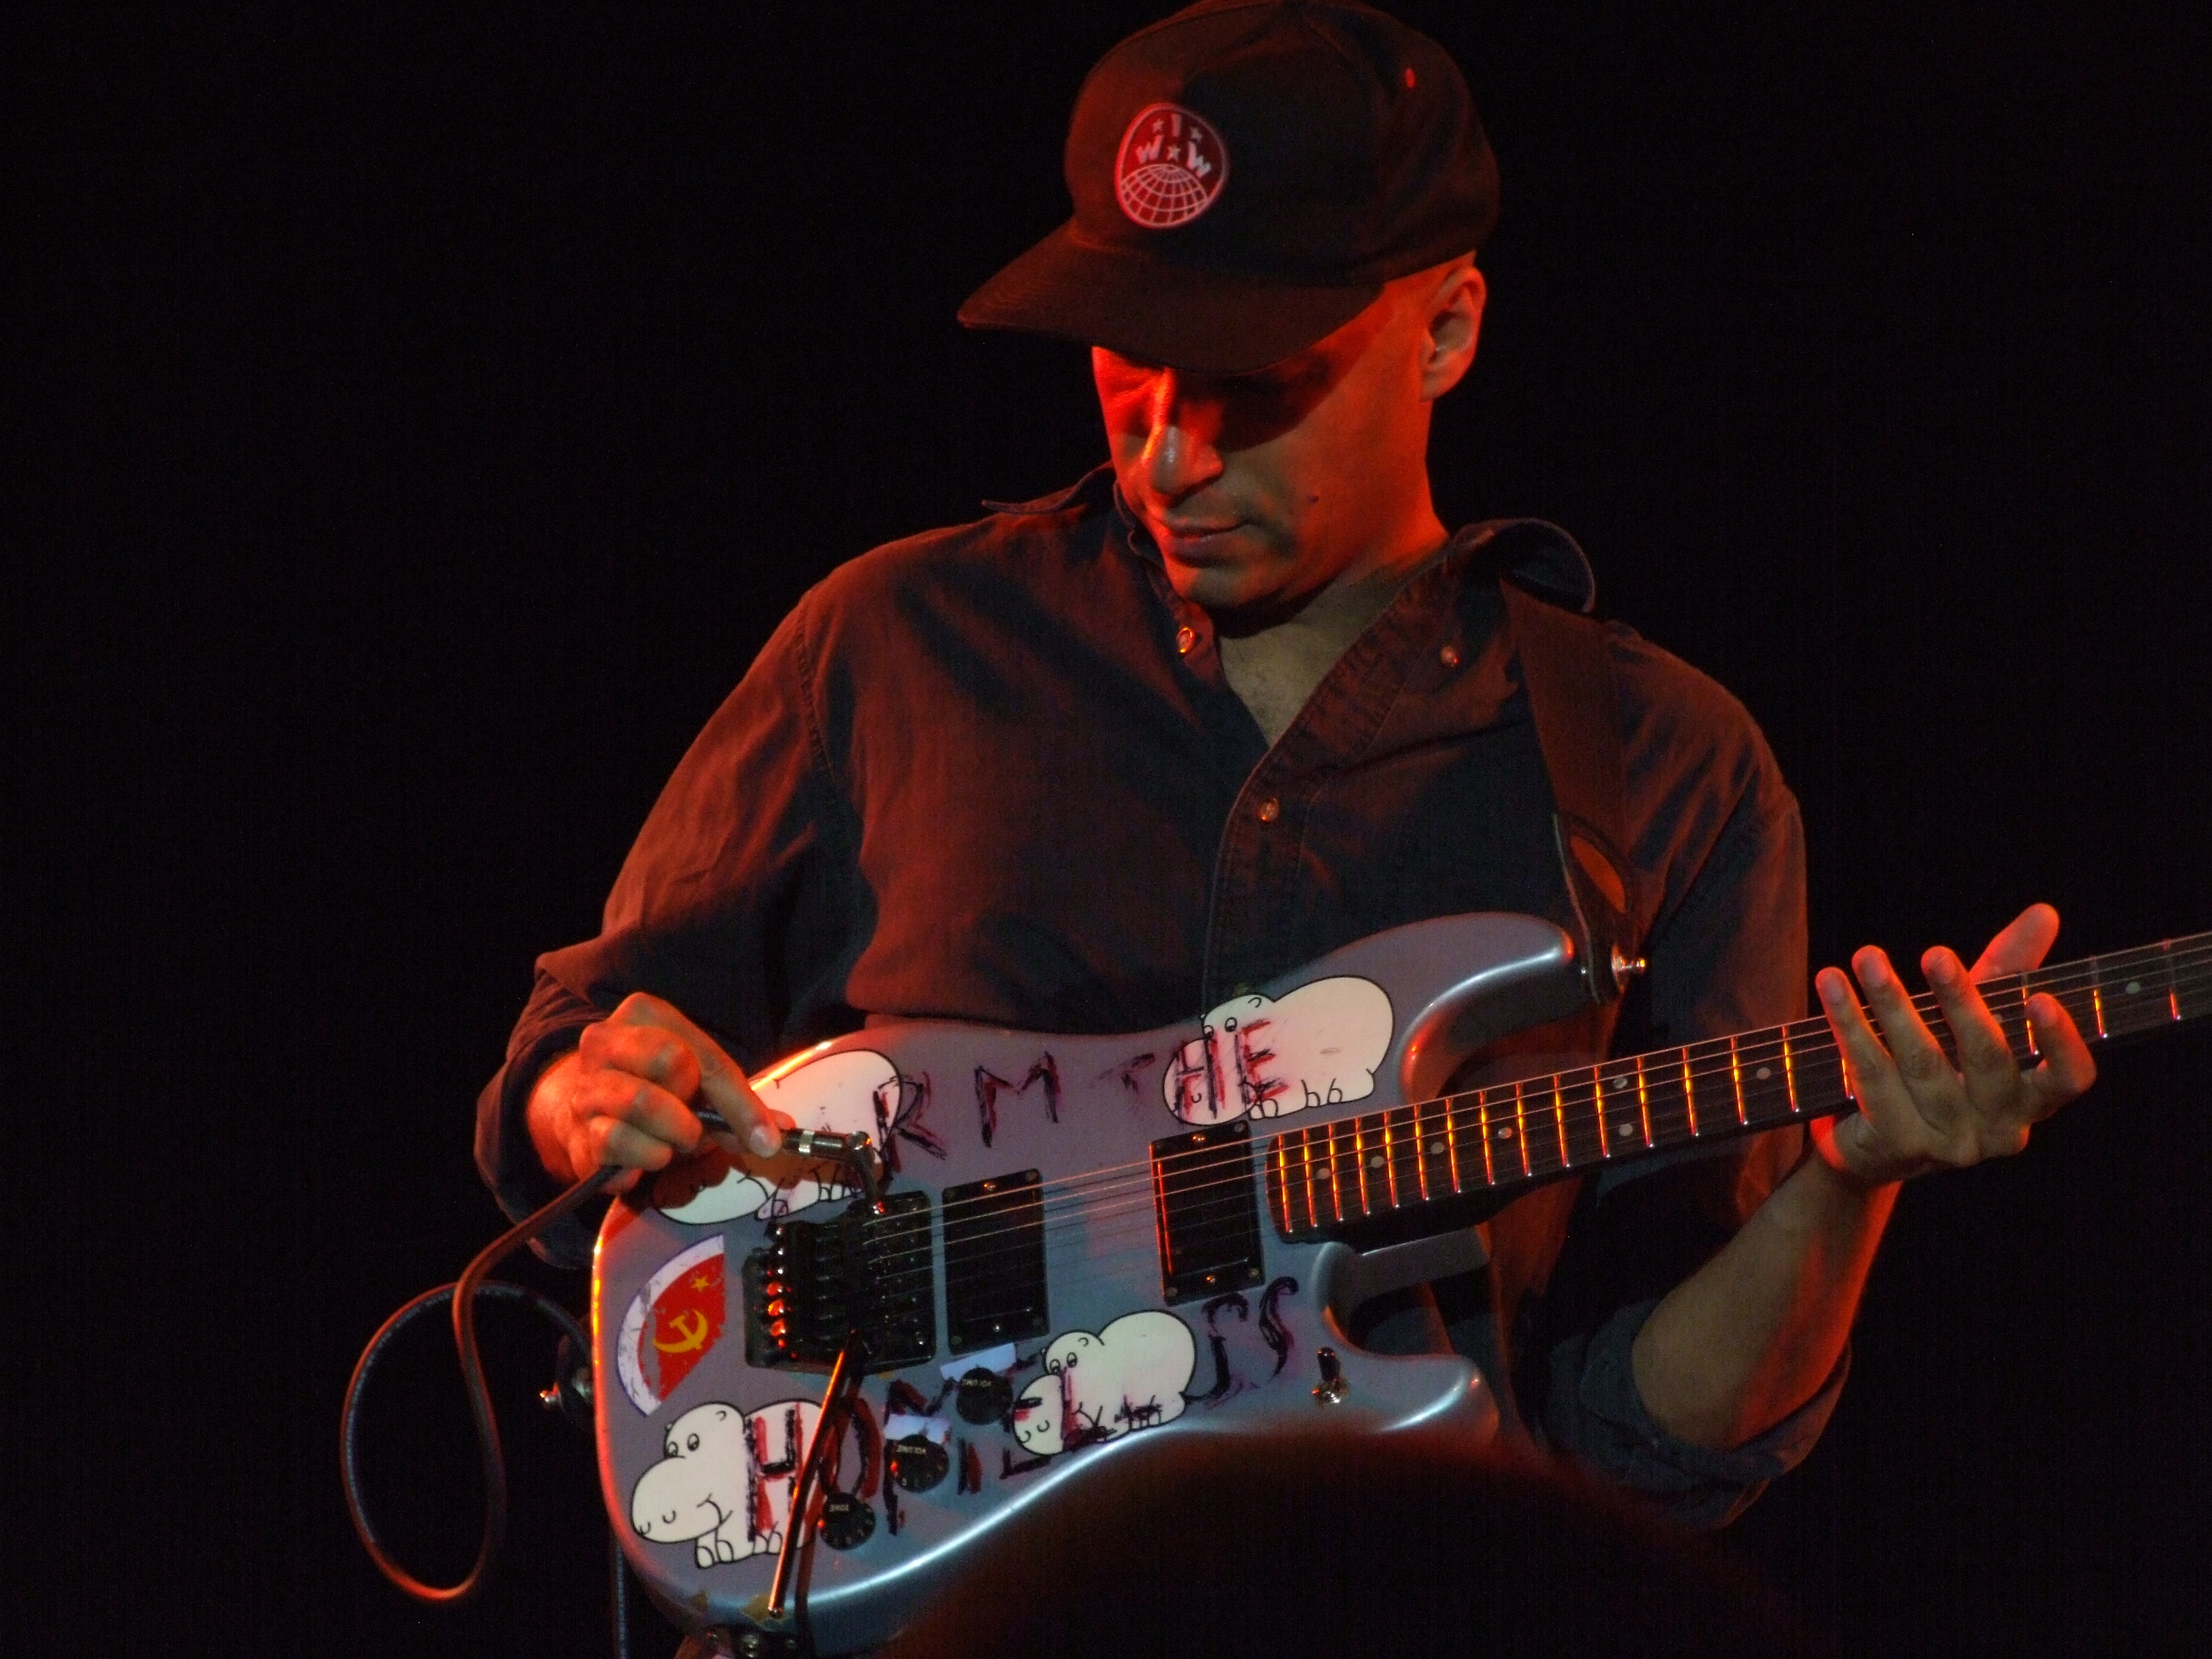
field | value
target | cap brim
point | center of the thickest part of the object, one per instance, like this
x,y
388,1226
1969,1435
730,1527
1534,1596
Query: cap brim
x,y
1210,321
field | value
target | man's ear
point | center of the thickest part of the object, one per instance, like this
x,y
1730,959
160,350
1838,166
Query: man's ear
x,y
1455,325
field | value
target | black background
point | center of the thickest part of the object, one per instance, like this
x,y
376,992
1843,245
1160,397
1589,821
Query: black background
x,y
419,424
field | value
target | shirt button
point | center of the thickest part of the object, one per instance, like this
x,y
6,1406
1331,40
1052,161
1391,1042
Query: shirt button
x,y
1185,638
1450,656
1270,810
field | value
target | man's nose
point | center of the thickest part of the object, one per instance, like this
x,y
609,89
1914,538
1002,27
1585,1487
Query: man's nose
x,y
1183,427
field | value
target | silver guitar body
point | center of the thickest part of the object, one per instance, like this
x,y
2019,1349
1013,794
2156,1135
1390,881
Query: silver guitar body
x,y
1064,1316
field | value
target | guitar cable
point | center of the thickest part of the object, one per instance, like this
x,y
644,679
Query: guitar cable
x,y
475,1281
786,1599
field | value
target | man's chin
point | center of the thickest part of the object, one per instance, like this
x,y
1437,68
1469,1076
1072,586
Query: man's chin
x,y
1213,587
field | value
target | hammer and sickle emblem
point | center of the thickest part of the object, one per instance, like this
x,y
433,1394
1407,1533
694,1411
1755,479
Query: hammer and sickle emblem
x,y
691,1327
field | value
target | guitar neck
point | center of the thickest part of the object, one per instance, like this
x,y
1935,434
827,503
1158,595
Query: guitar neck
x,y
1513,1134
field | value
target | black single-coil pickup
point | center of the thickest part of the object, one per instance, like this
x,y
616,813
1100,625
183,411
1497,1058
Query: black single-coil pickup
x,y
994,1262
865,1273
1209,1211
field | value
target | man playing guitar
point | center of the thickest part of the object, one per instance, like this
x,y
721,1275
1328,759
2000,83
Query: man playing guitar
x,y
1095,762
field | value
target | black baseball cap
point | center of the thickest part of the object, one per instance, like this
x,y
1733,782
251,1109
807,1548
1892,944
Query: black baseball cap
x,y
1246,174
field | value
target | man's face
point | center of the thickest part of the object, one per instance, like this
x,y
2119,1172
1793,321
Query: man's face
x,y
1263,489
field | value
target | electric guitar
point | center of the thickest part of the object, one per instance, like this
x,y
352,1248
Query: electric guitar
x,y
1077,1241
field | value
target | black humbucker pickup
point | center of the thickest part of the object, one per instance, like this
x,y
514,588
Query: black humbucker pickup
x,y
994,1288
866,1274
1209,1211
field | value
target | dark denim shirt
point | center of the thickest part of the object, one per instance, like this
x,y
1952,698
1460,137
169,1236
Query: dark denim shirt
x,y
994,773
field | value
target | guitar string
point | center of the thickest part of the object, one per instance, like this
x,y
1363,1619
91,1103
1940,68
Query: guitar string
x,y
1715,1049
1138,1197
1751,1046
1087,1198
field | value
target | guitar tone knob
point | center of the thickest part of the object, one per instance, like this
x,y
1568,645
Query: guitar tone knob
x,y
983,1396
916,1462
846,1522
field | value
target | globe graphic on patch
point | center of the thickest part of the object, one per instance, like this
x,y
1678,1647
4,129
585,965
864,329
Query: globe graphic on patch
x,y
1161,195
1169,168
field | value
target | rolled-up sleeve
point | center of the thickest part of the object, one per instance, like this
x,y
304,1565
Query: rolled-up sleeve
x,y
1595,1408
1726,954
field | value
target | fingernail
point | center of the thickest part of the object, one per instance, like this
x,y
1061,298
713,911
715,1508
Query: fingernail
x,y
1942,967
1873,970
1831,985
764,1140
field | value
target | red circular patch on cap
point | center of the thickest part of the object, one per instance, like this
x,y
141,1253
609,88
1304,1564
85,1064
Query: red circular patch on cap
x,y
1171,167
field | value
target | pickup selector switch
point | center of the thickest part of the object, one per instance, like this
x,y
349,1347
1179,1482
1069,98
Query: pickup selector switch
x,y
983,1396
916,1462
1332,1387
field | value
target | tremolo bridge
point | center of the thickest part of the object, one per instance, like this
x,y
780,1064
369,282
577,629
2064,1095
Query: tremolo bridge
x,y
814,1284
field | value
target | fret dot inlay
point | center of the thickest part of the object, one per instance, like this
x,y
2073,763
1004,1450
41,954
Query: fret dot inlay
x,y
1764,1072
2134,986
1505,1134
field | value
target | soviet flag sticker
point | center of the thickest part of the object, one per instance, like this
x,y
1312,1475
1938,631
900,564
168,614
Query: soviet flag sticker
x,y
1171,167
672,1324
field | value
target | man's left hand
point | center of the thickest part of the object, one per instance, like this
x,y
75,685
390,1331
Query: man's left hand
x,y
1917,1111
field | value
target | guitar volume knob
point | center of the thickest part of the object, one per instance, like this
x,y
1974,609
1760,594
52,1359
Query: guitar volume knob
x,y
983,1396
916,1462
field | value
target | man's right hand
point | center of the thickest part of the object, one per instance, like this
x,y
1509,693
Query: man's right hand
x,y
625,1096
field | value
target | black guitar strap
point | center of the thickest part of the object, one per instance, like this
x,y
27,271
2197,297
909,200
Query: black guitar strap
x,y
1566,666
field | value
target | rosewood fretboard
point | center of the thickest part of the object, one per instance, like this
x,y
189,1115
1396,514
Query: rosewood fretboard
x,y
1361,1169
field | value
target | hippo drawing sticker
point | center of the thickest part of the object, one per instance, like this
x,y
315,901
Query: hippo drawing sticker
x,y
1101,1385
725,1480
837,1093
1259,1057
672,1324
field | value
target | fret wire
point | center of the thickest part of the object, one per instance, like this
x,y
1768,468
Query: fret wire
x,y
1405,1137
1597,1105
1451,1142
1390,1159
1736,1073
1482,1107
1644,1100
1428,1143
1788,1070
1521,1127
1305,1177
2172,994
1420,1152
1559,1120
1343,1183
1689,1096
1359,1167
